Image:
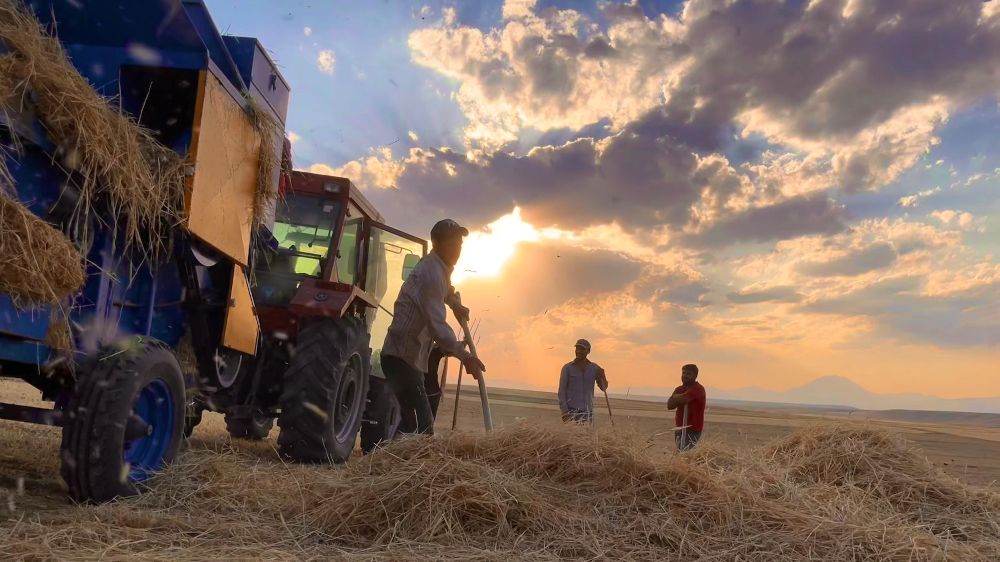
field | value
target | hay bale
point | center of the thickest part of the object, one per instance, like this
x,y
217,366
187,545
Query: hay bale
x,y
112,155
38,265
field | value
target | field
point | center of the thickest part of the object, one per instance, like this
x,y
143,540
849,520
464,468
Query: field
x,y
764,485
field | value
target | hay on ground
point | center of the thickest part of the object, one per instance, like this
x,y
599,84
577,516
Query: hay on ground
x,y
114,158
540,493
38,264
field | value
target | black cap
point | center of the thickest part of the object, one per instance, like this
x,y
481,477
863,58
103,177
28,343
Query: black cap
x,y
448,228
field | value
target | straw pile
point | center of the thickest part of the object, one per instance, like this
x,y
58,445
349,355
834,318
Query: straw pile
x,y
38,265
115,160
542,493
269,130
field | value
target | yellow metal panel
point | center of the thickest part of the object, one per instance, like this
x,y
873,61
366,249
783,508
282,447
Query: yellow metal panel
x,y
225,149
241,319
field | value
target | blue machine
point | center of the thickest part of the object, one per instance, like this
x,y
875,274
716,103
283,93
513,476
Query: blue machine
x,y
129,316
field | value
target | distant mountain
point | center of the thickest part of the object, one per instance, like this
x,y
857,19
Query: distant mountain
x,y
840,391
831,392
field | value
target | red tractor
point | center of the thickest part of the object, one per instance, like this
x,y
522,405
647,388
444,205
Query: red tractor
x,y
320,291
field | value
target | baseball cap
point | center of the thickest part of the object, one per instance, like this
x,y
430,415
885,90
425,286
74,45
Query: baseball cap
x,y
583,343
448,228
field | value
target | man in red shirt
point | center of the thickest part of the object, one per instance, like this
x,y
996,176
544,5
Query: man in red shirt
x,y
689,401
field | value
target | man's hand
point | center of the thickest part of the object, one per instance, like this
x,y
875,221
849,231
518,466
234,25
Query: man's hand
x,y
602,380
474,366
461,312
454,301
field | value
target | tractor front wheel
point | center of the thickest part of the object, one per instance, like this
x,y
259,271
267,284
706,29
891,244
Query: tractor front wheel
x,y
323,399
124,420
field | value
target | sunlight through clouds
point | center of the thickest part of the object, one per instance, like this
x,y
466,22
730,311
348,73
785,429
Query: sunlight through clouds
x,y
486,251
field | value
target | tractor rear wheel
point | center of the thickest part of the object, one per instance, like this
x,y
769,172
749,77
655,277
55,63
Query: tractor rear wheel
x,y
124,420
324,393
255,427
382,418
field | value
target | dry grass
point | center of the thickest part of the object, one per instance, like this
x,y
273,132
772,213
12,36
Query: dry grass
x,y
825,493
38,264
270,131
114,159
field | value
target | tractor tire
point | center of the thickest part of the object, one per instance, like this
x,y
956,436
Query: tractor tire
x,y
325,387
123,422
253,428
382,418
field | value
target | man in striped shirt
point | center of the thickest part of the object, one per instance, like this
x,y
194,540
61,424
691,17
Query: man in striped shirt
x,y
576,386
419,319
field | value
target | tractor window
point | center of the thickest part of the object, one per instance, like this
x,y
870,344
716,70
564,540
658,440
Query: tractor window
x,y
304,227
347,252
386,259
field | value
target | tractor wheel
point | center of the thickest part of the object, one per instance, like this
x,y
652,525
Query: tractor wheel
x,y
323,399
255,427
382,418
124,420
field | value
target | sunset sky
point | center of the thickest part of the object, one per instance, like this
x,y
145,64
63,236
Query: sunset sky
x,y
775,190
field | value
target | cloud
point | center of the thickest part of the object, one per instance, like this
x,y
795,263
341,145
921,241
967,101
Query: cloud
x,y
948,217
809,76
754,295
891,277
307,31
413,136
799,216
378,170
863,260
643,178
326,61
911,201
901,313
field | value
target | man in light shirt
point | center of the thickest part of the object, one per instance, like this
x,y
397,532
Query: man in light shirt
x,y
420,320
576,386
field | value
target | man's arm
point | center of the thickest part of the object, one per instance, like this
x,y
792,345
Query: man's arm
x,y
432,300
602,379
677,399
454,301
563,389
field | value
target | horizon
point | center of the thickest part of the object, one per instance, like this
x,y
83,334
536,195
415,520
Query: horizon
x,y
774,193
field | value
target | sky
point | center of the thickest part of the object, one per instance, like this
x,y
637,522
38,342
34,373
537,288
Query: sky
x,y
774,190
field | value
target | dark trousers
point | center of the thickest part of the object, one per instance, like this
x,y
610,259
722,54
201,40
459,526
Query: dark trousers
x,y
691,438
409,385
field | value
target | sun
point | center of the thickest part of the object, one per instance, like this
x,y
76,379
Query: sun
x,y
486,251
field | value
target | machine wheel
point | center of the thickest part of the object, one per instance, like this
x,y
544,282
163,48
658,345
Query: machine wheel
x,y
323,399
254,428
124,420
383,416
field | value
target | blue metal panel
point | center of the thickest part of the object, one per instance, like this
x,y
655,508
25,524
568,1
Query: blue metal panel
x,y
198,15
260,74
142,25
32,324
100,64
36,180
23,351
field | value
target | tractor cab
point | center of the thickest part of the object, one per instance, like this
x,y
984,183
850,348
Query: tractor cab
x,y
330,253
